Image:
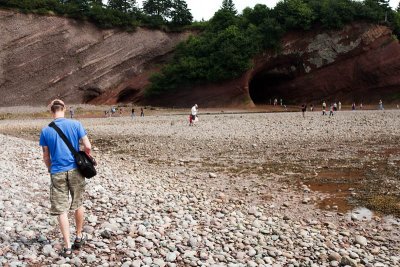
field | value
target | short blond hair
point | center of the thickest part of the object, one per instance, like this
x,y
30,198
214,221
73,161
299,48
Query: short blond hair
x,y
57,105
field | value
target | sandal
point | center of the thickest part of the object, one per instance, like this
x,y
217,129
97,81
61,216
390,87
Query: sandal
x,y
66,252
79,242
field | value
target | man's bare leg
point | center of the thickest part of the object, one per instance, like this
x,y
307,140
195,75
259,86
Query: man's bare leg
x,y
79,218
64,227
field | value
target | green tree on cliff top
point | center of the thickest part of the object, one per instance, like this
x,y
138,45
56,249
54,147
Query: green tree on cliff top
x,y
157,7
122,5
180,13
294,14
96,2
76,8
229,6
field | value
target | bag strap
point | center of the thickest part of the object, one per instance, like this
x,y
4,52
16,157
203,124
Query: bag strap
x,y
64,138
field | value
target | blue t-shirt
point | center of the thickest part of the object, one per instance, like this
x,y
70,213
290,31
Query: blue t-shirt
x,y
61,157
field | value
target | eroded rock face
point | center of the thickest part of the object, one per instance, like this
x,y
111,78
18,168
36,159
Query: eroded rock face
x,y
42,57
358,63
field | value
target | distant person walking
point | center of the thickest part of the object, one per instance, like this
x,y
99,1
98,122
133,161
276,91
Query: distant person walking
x,y
340,105
133,113
66,182
335,107
71,112
361,105
193,115
275,102
141,112
381,105
331,110
303,110
353,106
281,101
311,107
324,108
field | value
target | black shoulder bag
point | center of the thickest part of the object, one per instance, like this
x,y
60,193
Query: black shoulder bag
x,y
84,161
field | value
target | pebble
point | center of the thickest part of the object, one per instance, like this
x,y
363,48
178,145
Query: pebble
x,y
171,257
361,240
212,175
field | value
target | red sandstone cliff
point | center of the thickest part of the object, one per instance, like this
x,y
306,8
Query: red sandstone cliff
x,y
42,57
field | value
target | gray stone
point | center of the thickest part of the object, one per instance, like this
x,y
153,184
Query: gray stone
x,y
76,261
137,263
347,261
252,252
48,250
203,255
159,262
240,255
106,234
212,175
171,257
193,242
361,240
90,258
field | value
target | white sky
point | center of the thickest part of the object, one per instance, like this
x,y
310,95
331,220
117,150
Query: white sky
x,y
206,8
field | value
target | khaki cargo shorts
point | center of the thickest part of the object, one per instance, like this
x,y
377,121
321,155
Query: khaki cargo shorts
x,y
63,185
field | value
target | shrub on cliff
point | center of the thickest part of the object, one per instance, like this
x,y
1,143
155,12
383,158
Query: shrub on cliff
x,y
207,57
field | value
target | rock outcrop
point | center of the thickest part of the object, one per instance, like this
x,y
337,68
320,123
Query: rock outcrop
x,y
42,57
358,63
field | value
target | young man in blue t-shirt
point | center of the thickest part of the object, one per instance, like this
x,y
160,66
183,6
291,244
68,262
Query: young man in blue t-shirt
x,y
65,178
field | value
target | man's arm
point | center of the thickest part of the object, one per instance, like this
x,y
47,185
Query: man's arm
x,y
46,157
86,144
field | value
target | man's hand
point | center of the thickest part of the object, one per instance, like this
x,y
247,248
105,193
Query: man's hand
x,y
86,144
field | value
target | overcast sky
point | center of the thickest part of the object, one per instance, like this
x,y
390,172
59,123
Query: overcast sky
x,y
205,9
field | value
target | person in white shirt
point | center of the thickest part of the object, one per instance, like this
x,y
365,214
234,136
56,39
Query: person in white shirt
x,y
193,114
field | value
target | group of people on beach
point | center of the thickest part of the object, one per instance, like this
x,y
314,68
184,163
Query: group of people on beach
x,y
337,106
113,110
133,113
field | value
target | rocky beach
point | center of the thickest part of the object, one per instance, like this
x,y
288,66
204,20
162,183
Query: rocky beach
x,y
248,189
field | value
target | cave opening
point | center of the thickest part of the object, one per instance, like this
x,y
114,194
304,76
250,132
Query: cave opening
x,y
274,80
91,93
268,85
127,95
